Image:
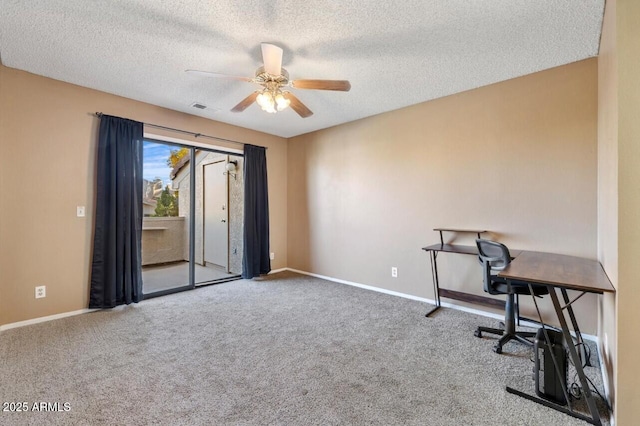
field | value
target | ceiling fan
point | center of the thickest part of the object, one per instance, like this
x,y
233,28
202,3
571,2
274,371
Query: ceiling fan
x,y
273,96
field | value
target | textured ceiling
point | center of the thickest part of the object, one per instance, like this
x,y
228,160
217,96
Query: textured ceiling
x,y
395,54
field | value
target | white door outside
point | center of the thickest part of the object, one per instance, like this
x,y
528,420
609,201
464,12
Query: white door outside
x,y
216,215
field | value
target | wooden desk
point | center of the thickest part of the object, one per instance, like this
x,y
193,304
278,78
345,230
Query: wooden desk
x,y
560,272
573,273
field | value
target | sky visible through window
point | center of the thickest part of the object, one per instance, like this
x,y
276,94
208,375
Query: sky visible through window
x,y
155,156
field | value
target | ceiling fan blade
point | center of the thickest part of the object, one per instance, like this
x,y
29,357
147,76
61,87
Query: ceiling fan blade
x,y
272,58
245,103
339,85
217,75
297,106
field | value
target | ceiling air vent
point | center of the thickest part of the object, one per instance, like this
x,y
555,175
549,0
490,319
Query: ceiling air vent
x,y
198,105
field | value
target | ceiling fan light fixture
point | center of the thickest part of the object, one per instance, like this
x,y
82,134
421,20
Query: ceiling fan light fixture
x,y
281,101
264,99
273,78
272,101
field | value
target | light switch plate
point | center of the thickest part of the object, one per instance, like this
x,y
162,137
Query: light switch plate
x,y
80,211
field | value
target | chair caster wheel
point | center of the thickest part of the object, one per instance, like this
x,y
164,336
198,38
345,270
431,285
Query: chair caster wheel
x,y
477,333
497,349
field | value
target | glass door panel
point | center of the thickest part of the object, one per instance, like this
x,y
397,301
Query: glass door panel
x,y
165,224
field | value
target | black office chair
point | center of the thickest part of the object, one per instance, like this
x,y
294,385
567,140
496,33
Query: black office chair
x,y
495,257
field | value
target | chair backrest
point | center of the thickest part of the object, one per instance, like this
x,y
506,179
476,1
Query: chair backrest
x,y
495,253
494,257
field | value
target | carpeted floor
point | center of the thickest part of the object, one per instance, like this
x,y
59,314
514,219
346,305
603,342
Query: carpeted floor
x,y
284,350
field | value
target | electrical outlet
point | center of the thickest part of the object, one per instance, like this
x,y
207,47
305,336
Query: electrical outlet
x,y
272,256
80,211
41,291
394,272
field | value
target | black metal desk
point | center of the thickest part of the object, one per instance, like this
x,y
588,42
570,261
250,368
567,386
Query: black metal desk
x,y
434,250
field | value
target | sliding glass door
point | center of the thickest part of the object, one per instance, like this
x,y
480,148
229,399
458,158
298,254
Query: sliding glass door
x,y
165,225
192,225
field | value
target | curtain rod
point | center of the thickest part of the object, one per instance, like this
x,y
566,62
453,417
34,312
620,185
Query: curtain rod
x,y
196,135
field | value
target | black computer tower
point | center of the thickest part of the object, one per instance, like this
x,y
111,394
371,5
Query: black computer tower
x,y
550,384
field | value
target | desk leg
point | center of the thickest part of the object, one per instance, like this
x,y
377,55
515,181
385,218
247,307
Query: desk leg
x,y
575,359
574,324
436,285
595,416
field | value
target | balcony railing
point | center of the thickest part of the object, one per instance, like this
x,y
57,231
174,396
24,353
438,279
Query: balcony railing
x,y
163,240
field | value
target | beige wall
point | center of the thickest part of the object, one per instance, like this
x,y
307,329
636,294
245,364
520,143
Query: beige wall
x,y
608,186
517,158
627,57
47,168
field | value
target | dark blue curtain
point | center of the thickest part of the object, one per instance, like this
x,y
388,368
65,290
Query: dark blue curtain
x,y
255,260
115,271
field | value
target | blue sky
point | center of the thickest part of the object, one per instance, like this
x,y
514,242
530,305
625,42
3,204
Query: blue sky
x,y
154,159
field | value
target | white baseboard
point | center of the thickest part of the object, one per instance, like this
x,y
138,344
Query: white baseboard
x,y
44,319
423,299
324,277
70,314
